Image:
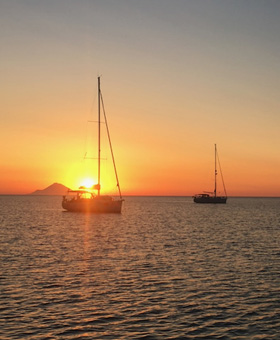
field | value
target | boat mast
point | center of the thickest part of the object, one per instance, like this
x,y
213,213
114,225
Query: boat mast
x,y
220,169
215,190
99,150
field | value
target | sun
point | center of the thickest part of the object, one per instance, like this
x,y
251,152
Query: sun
x,y
87,183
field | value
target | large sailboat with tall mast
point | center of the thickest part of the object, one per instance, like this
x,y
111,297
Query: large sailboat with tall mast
x,y
212,197
87,200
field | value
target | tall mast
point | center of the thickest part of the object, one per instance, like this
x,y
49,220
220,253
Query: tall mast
x,y
215,190
99,150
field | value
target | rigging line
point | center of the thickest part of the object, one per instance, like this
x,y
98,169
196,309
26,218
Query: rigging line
x,y
92,108
221,174
85,143
111,148
89,120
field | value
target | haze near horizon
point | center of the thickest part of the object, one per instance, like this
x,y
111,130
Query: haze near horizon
x,y
177,77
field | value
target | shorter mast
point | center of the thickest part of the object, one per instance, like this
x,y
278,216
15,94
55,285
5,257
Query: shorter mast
x,y
99,149
220,168
215,190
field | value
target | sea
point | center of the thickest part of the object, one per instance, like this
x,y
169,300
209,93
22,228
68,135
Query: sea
x,y
166,268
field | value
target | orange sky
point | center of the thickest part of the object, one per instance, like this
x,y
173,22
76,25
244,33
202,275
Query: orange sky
x,y
176,79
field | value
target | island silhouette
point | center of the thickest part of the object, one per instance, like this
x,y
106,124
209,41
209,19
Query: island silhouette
x,y
51,190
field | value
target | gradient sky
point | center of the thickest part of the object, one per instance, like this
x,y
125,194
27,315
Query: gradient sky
x,y
177,77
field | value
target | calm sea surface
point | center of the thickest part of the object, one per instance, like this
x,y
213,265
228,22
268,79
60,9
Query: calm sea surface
x,y
166,268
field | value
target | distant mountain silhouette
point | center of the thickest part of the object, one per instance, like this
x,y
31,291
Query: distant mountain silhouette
x,y
54,189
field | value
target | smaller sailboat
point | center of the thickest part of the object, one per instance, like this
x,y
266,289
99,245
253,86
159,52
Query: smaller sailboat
x,y
212,197
85,200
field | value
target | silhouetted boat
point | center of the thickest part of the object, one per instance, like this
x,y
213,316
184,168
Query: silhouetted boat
x,y
212,197
85,200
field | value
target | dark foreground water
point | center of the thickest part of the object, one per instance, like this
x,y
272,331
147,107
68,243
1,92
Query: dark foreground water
x,y
165,268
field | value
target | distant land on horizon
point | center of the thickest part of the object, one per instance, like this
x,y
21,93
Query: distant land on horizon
x,y
51,190
57,189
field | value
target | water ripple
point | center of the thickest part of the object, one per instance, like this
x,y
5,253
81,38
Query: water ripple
x,y
164,269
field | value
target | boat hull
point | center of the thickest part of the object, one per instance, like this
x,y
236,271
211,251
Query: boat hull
x,y
210,200
93,205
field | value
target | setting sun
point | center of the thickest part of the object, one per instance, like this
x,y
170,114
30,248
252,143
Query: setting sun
x,y
88,182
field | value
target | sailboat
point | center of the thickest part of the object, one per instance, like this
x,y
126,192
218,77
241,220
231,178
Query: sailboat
x,y
212,196
87,200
